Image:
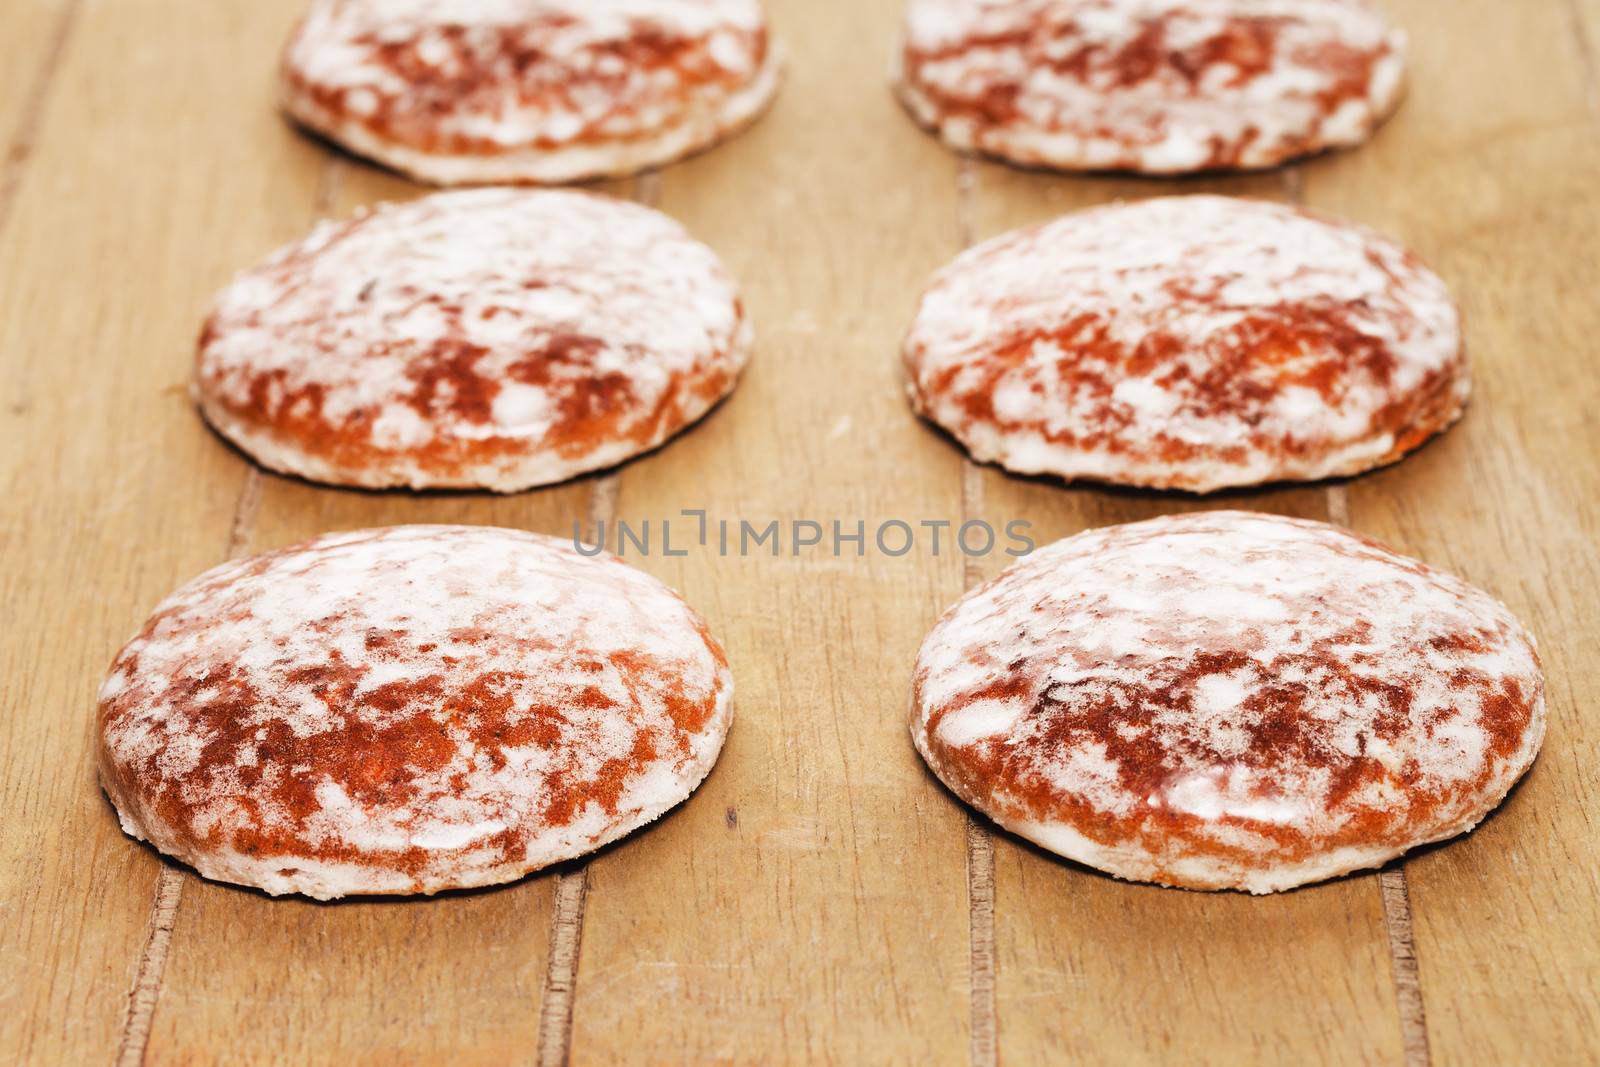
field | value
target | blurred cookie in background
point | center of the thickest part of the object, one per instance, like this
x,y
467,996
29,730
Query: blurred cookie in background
x,y
538,91
1149,86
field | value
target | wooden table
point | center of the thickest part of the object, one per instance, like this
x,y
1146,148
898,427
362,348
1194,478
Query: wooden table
x,y
821,898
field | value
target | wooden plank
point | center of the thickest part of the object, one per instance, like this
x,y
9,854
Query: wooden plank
x,y
458,978
821,897
1104,971
1495,187
808,903
115,491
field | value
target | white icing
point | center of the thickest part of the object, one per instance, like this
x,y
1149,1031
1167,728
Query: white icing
x,y
364,310
529,90
1332,656
1206,274
1077,108
441,619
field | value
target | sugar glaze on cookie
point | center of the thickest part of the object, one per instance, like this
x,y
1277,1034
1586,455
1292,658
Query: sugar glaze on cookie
x,y
1151,86
1228,700
1192,342
541,91
494,338
407,710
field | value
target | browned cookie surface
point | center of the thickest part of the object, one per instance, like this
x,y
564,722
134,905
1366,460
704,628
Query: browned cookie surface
x,y
474,91
1158,86
493,338
1228,700
407,710
1192,342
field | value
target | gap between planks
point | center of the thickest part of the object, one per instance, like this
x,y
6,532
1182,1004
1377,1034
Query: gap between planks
x,y
1403,959
984,1047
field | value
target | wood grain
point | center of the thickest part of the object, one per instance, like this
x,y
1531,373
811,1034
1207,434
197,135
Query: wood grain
x,y
30,58
808,903
821,898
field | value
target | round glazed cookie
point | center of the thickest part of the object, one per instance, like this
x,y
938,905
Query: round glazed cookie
x,y
1228,700
493,338
1193,342
1152,86
407,710
548,91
